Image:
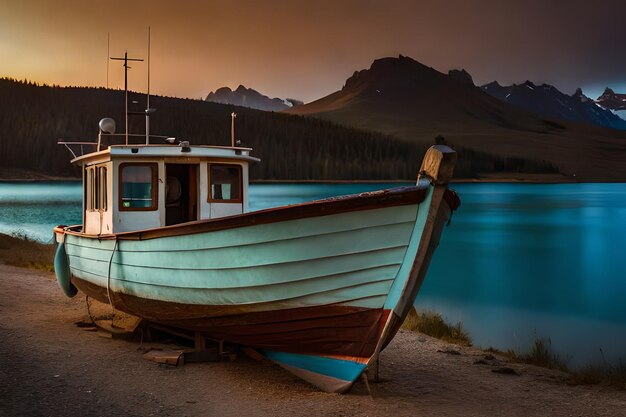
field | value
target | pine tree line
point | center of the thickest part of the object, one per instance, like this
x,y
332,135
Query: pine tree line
x,y
34,117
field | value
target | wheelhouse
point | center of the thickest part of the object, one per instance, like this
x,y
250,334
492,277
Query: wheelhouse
x,y
135,187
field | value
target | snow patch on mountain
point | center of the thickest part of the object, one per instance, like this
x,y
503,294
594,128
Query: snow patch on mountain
x,y
551,103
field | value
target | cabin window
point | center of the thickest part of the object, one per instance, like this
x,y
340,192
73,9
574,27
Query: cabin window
x,y
96,189
225,183
102,183
91,186
138,186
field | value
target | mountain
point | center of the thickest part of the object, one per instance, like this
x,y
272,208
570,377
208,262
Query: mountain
x,y
396,92
615,102
247,97
547,101
408,100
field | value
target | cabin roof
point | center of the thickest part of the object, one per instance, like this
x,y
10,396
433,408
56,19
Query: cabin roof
x,y
167,151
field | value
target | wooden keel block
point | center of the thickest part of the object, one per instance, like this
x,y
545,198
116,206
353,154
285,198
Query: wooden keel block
x,y
107,330
168,357
199,342
438,164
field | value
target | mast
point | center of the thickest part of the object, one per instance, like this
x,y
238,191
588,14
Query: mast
x,y
126,68
108,56
232,129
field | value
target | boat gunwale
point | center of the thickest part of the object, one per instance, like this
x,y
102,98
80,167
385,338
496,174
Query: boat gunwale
x,y
390,197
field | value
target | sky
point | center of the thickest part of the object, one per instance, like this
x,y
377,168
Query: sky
x,y
306,49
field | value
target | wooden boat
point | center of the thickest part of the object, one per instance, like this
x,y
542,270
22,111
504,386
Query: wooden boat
x,y
320,288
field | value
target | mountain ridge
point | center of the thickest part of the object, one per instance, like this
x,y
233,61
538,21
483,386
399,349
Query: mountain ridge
x,y
411,101
248,97
547,101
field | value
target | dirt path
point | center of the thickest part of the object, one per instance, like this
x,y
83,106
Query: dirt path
x,y
51,367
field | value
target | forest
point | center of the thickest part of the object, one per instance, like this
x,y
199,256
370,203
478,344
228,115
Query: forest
x,y
33,118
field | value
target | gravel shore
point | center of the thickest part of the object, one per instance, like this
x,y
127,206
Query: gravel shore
x,y
51,367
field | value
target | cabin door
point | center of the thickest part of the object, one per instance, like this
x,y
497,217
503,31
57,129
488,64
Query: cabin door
x,y
181,193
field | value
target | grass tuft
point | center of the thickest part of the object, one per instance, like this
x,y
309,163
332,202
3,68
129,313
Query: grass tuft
x,y
433,324
606,374
20,250
542,354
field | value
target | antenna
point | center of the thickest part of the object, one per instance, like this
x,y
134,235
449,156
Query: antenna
x,y
232,129
126,67
148,111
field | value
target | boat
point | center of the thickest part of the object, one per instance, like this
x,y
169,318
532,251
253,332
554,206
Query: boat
x,y
319,287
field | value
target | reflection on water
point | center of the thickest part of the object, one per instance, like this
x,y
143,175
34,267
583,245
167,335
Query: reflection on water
x,y
544,260
519,260
272,195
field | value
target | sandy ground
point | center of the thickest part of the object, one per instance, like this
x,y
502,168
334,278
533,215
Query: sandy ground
x,y
51,367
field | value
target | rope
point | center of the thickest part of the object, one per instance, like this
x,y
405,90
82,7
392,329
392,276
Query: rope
x,y
89,310
109,283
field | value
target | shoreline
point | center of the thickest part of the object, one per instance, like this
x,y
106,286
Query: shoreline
x,y
14,175
26,176
493,180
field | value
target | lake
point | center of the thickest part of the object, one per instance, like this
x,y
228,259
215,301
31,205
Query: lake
x,y
519,261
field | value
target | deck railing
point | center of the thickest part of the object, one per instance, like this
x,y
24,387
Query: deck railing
x,y
80,148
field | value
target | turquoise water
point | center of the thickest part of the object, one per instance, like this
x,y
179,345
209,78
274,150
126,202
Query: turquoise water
x,y
519,261
33,208
522,261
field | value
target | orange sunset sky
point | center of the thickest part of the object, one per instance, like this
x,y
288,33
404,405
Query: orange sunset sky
x,y
306,49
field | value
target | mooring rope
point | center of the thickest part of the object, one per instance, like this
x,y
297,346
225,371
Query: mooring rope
x,y
89,309
109,283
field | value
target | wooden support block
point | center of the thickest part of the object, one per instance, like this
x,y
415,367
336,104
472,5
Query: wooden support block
x,y
199,341
169,357
106,329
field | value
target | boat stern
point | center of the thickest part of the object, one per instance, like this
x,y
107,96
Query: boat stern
x,y
62,264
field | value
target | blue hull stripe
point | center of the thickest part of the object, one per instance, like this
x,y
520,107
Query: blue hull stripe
x,y
336,368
